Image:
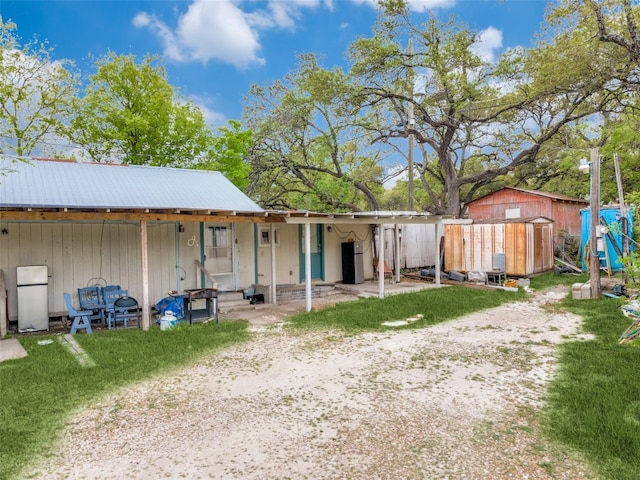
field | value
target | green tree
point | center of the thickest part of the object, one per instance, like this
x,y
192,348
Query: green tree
x,y
228,153
131,114
307,153
476,120
35,95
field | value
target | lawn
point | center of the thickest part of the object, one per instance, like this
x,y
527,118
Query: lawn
x,y
434,305
39,392
593,404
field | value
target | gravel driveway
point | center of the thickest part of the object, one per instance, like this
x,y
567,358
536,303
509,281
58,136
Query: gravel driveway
x,y
459,400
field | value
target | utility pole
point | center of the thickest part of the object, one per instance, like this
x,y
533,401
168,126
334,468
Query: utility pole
x,y
594,264
411,123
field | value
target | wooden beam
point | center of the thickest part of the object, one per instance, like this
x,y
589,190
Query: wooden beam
x,y
146,323
129,216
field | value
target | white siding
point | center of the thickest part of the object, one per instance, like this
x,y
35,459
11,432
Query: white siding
x,y
417,246
81,254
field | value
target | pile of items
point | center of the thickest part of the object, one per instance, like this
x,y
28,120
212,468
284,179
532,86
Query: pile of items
x,y
631,310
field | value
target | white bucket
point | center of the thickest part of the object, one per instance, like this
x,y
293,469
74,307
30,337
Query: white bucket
x,y
167,321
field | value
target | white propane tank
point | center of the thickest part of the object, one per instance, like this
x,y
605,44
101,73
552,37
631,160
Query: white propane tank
x,y
167,321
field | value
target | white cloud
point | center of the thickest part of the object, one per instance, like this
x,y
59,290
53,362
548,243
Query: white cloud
x,y
415,5
422,5
486,44
213,118
222,30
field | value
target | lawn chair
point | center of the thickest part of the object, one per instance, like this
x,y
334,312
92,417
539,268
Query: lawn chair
x,y
387,270
111,294
91,299
126,308
80,318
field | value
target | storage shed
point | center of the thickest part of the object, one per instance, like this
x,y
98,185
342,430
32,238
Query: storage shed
x,y
527,245
510,202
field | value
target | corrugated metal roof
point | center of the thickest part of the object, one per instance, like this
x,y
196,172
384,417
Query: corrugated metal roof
x,y
552,196
70,184
515,220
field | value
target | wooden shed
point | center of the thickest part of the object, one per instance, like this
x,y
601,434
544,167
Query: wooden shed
x,y
527,244
510,202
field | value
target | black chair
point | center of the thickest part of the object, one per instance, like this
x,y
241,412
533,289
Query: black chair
x,y
126,308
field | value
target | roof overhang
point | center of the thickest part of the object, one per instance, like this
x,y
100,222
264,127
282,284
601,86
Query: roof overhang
x,y
367,218
219,216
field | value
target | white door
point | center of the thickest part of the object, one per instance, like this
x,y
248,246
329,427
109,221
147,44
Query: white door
x,y
219,253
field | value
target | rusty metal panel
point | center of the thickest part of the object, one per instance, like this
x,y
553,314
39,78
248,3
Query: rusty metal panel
x,y
515,249
528,246
453,247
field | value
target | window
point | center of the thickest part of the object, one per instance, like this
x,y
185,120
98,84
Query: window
x,y
219,242
264,237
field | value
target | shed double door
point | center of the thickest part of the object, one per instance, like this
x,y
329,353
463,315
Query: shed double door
x,y
541,246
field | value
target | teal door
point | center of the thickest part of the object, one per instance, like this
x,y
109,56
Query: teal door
x,y
317,252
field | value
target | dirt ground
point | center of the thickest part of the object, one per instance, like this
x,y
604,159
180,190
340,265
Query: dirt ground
x,y
458,400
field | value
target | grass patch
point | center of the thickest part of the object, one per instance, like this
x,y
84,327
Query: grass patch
x,y
436,305
552,279
40,391
594,402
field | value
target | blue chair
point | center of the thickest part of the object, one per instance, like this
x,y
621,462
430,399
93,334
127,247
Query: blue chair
x,y
111,295
81,318
91,299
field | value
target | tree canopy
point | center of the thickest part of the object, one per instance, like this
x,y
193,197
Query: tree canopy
x,y
35,95
131,114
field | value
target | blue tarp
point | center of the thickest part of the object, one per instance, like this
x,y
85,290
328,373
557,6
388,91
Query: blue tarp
x,y
612,217
175,304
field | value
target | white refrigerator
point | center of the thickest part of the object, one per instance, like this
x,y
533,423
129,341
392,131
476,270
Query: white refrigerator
x,y
33,298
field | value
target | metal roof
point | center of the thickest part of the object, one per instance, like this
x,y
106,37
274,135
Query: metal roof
x,y
75,185
552,196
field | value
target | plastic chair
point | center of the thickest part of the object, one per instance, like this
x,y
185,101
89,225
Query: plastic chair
x,y
91,299
111,295
81,318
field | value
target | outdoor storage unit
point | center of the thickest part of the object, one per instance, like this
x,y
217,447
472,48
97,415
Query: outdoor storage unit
x,y
612,219
352,263
33,302
527,244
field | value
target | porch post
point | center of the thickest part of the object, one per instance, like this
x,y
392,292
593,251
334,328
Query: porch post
x,y
144,256
307,264
273,263
396,233
437,225
381,260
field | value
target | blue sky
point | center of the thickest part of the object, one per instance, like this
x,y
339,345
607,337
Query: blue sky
x,y
215,49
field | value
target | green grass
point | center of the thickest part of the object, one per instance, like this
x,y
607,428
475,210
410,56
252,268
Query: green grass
x,y
594,402
40,391
436,305
551,279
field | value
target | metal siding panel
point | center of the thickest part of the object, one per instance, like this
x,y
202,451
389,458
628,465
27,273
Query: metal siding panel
x,y
65,278
529,249
452,250
467,246
510,249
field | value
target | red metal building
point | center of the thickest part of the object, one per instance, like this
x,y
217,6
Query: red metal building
x,y
510,202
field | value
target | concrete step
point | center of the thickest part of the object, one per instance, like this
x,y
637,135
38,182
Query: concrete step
x,y
233,304
230,296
